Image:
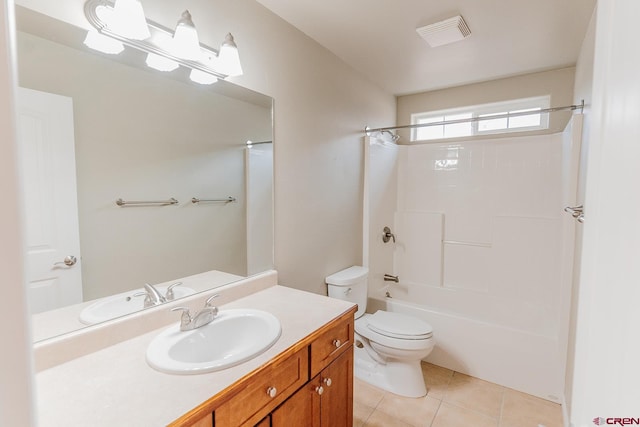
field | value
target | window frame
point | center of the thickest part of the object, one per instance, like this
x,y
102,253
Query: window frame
x,y
503,107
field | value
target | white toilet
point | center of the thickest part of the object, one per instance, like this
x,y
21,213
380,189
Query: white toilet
x,y
388,346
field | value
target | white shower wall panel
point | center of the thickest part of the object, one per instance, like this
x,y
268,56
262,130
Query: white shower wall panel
x,y
467,267
497,307
418,247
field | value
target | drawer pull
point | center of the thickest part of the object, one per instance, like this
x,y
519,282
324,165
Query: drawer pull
x,y
337,343
327,381
272,391
319,390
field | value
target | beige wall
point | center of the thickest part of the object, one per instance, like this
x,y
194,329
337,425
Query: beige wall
x,y
557,83
16,387
321,107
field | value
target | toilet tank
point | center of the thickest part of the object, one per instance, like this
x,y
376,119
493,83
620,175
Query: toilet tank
x,y
350,285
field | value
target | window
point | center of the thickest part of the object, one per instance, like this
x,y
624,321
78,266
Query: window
x,y
510,117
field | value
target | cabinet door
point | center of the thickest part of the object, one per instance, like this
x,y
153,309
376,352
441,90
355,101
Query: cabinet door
x,y
326,401
266,422
336,408
301,409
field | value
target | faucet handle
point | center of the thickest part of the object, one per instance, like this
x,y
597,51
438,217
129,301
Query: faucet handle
x,y
170,296
147,298
207,303
186,318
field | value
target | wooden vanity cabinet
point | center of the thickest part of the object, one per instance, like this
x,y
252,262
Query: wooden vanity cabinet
x,y
310,384
325,401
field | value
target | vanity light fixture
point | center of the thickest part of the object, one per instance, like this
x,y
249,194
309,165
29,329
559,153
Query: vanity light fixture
x,y
229,58
166,50
185,43
105,44
161,63
128,20
202,77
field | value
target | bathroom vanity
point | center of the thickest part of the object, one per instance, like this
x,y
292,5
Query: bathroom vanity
x,y
305,378
309,384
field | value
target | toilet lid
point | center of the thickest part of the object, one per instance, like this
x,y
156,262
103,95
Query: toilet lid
x,y
398,325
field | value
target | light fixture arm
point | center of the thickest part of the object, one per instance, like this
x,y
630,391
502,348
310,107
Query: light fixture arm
x,y
149,45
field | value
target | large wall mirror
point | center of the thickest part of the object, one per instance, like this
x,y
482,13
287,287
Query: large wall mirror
x,y
94,129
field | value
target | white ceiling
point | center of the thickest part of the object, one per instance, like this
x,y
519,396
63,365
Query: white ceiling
x,y
378,37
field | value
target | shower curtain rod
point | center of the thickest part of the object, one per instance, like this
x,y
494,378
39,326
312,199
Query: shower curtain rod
x,y
580,107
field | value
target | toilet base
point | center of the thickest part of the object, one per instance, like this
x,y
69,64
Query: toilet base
x,y
401,378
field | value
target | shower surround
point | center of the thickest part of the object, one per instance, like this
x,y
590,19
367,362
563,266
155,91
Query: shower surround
x,y
480,246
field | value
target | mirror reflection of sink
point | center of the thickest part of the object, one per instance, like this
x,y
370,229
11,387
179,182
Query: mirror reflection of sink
x,y
234,336
125,303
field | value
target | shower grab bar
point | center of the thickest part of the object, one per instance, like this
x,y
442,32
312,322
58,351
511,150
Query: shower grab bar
x,y
227,200
121,202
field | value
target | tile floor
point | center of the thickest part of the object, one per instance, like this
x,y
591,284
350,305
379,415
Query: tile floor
x,y
453,400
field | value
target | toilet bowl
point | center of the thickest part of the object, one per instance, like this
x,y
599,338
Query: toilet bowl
x,y
388,346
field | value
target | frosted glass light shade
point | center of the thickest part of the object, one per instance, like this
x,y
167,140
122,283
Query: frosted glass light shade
x,y
202,77
102,43
186,44
228,58
128,20
161,63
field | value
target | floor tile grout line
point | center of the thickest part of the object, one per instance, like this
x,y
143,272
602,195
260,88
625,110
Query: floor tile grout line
x,y
433,420
501,407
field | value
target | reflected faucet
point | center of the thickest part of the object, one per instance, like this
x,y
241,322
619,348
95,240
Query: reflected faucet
x,y
152,296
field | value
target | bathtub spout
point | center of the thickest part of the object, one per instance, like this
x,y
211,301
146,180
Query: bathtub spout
x,y
390,278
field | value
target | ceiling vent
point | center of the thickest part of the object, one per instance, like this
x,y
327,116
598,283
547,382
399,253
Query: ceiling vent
x,y
445,32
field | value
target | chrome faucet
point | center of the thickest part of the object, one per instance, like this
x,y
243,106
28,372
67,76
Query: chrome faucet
x,y
390,278
201,318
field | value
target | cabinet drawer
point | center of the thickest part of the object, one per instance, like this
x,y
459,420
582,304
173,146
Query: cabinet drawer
x,y
331,343
254,399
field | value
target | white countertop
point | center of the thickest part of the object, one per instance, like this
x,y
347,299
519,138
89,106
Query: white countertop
x,y
116,387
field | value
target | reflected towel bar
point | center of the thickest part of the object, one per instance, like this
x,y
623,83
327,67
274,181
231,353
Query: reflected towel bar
x,y
227,200
171,201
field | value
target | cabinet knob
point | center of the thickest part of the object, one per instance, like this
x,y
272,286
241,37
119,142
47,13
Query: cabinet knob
x,y
327,381
272,391
319,390
337,343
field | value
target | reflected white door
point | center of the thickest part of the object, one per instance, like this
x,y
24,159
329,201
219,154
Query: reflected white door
x,y
47,159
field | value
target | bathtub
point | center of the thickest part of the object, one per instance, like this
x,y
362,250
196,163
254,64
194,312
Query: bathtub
x,y
512,357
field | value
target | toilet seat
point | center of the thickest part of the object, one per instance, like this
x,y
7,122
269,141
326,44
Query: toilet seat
x,y
401,342
396,325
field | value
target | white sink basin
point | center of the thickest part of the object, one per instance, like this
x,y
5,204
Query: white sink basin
x,y
125,303
233,337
